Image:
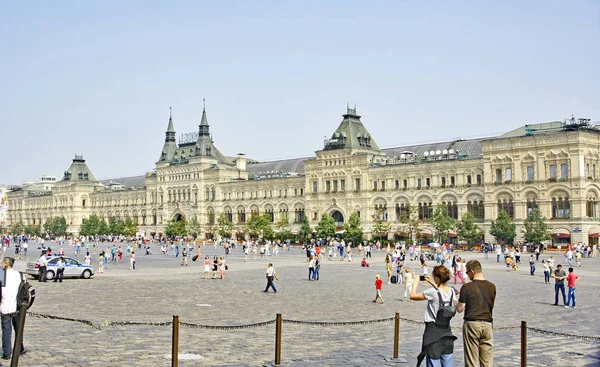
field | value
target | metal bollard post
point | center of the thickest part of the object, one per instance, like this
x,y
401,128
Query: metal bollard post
x,y
523,343
175,342
396,334
14,362
278,324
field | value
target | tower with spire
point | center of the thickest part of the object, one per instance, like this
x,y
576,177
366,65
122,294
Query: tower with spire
x,y
170,146
204,144
351,134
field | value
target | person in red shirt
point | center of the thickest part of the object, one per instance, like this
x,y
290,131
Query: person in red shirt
x,y
378,283
571,279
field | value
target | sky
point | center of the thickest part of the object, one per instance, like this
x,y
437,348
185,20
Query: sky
x,y
98,77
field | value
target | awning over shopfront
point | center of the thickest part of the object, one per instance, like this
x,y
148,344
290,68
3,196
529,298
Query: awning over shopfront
x,y
560,233
594,233
426,233
451,234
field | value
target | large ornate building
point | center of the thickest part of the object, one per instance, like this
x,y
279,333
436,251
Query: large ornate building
x,y
550,166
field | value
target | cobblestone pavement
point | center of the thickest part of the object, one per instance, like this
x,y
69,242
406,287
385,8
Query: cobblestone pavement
x,y
161,287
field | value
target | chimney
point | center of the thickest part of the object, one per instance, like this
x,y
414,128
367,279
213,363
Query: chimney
x,y
240,161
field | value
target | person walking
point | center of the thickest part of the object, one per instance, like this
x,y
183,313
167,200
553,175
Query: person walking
x,y
60,270
132,261
271,275
101,258
10,314
184,256
559,276
378,285
571,279
476,300
317,270
546,272
438,341
531,265
43,266
311,267
206,267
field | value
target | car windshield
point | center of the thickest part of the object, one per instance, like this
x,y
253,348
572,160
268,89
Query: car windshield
x,y
53,261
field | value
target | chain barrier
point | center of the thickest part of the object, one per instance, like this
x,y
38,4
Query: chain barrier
x,y
564,335
338,323
289,321
224,327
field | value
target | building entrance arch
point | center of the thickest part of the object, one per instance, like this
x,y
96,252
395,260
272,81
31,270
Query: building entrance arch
x,y
338,217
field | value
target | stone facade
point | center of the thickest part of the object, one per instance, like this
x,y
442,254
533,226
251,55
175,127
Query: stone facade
x,y
550,166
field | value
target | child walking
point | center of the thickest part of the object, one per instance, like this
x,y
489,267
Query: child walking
x,y
378,283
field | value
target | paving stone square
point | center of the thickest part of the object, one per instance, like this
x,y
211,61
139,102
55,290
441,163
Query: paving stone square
x,y
160,287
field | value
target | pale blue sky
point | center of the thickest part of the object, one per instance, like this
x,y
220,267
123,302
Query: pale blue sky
x,y
98,77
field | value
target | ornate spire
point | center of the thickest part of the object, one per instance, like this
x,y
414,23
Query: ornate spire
x,y
169,146
170,134
204,127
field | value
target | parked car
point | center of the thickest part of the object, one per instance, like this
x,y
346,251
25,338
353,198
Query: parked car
x,y
73,268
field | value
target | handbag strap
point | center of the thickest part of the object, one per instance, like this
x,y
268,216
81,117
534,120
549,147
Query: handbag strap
x,y
487,302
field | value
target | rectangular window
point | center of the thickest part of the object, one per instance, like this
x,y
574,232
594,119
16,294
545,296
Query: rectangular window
x,y
452,182
587,170
315,187
419,182
553,171
343,185
508,172
468,179
357,184
315,214
383,185
397,184
358,213
498,175
428,182
374,185
327,186
295,192
530,173
564,170
335,185
443,181
405,183
478,179
301,192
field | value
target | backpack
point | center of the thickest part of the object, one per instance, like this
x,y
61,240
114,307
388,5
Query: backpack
x,y
446,310
25,294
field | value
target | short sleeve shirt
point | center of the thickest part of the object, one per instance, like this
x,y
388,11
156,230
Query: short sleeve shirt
x,y
476,308
559,274
571,280
433,304
270,271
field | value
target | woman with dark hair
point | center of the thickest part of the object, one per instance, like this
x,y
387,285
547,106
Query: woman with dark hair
x,y
438,341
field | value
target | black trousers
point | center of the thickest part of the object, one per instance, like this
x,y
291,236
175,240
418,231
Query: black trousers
x,y
59,275
43,271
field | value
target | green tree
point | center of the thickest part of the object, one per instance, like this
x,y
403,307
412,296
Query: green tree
x,y
129,227
56,226
116,227
380,226
92,226
17,228
442,223
224,226
503,228
326,227
305,231
175,227
467,230
353,230
32,229
283,229
409,223
535,228
260,225
102,227
194,228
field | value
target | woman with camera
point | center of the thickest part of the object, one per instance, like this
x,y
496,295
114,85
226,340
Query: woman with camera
x,y
438,341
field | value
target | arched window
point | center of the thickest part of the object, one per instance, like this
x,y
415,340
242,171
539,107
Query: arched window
x,y
561,207
425,211
401,211
508,206
590,207
531,205
452,209
381,212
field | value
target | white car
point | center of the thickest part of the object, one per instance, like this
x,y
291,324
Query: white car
x,y
73,268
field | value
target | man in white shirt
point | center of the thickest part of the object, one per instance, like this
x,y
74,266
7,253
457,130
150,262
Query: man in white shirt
x,y
270,276
43,266
8,307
